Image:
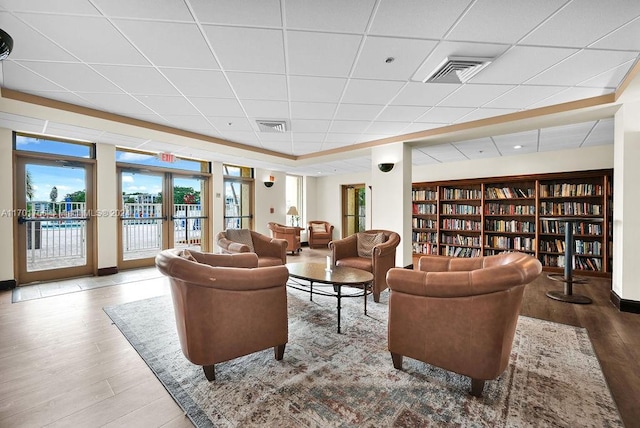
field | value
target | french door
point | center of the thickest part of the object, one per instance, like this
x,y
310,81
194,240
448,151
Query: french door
x,y
160,210
54,201
353,209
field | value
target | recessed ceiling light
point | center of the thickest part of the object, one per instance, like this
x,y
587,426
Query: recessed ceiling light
x,y
517,147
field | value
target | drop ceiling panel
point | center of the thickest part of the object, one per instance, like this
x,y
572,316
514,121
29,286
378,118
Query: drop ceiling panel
x,y
568,136
321,54
589,20
584,65
74,77
387,128
408,55
308,137
146,34
478,148
166,105
510,20
81,7
528,140
401,113
194,123
349,126
302,125
341,139
329,15
218,107
306,148
201,83
610,78
73,131
416,18
137,80
627,38
521,63
162,9
570,94
370,91
232,12
245,136
247,49
444,115
113,47
120,139
316,89
474,95
255,86
32,45
484,113
122,104
260,109
424,94
523,96
601,134
443,153
18,76
420,158
304,110
231,124
419,127
67,97
357,111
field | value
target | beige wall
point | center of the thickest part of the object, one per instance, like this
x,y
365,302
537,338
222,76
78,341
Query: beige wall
x,y
106,203
7,218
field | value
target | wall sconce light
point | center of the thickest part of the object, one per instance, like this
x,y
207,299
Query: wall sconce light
x,y
270,181
385,167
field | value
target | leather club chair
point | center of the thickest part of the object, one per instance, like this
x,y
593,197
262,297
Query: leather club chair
x,y
212,297
320,233
271,252
289,233
459,314
383,257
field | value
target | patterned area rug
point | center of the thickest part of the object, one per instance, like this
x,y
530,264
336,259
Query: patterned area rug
x,y
328,379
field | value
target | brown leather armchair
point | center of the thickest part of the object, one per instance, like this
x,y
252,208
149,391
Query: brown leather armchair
x,y
459,314
320,233
289,233
271,252
383,257
212,295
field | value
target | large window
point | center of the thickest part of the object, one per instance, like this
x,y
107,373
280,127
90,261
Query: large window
x,y
353,209
238,197
294,201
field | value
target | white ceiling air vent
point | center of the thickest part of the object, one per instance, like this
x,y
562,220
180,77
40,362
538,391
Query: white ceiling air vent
x,y
457,69
272,125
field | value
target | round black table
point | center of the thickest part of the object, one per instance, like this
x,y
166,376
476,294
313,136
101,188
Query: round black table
x,y
567,294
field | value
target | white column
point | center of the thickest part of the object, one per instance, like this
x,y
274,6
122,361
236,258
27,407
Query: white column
x,y
7,219
391,196
626,203
106,206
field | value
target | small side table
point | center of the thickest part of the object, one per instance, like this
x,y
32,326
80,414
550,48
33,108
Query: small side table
x,y
567,294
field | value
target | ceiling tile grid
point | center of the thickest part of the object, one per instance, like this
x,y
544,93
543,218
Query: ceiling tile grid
x,y
339,73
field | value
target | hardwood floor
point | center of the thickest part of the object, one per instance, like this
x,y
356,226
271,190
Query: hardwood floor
x,y
62,362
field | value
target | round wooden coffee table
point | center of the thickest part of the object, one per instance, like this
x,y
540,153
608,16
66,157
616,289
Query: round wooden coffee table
x,y
337,277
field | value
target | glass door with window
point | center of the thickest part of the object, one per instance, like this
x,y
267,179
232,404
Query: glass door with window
x,y
143,216
55,237
353,209
189,213
237,203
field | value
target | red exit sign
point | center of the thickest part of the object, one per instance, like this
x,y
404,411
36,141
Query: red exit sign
x,y
167,157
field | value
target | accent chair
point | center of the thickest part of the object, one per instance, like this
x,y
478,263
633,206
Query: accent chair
x,y
320,233
289,233
270,251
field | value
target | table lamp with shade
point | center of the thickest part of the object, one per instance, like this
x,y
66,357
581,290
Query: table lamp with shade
x,y
293,212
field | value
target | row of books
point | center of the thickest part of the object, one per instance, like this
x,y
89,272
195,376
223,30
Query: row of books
x,y
578,262
583,228
425,248
424,195
492,208
460,224
461,251
510,226
570,208
425,237
579,246
467,241
508,193
460,209
570,189
510,242
424,223
425,209
449,193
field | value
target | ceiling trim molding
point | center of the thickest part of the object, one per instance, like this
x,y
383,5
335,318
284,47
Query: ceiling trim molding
x,y
87,111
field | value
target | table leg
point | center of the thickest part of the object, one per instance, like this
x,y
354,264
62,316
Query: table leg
x,y
364,286
311,291
339,304
567,295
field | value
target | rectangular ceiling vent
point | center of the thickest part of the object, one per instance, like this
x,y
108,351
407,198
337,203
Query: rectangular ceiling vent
x,y
272,125
457,69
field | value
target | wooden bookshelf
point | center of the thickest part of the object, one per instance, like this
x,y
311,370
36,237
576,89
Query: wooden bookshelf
x,y
469,218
